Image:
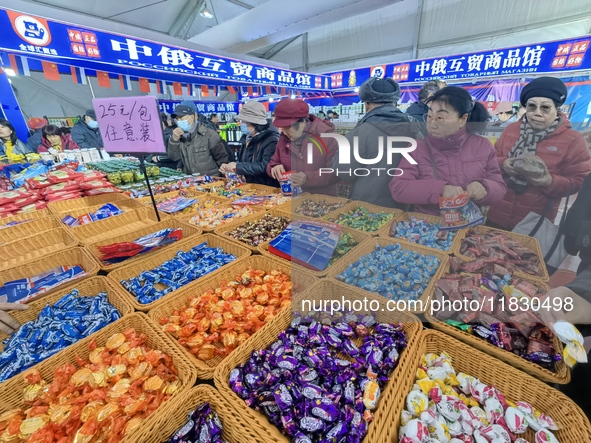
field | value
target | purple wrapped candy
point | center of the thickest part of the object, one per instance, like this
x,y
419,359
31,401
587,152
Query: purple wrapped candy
x,y
311,391
307,374
183,432
336,433
311,424
325,409
287,362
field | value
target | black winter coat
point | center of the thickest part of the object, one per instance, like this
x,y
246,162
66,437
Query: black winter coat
x,y
418,110
86,137
35,140
254,157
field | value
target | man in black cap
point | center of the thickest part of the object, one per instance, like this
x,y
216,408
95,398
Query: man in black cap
x,y
86,131
382,119
200,148
419,109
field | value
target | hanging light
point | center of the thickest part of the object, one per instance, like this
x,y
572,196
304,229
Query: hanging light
x,y
293,96
205,12
10,72
271,99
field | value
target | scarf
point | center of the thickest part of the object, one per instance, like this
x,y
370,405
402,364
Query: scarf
x,y
528,138
13,157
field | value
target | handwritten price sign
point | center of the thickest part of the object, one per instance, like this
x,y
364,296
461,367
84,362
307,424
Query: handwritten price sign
x,y
130,125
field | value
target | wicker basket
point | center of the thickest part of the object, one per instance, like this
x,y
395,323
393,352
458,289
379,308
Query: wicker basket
x,y
374,209
188,231
35,246
513,384
207,188
359,237
369,246
67,257
297,202
529,242
236,429
187,218
85,202
115,226
250,187
123,205
147,201
11,392
33,227
156,259
379,429
433,219
88,287
229,227
31,215
205,369
562,374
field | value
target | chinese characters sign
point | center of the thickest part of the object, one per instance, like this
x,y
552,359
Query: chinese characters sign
x,y
202,107
542,58
130,125
28,34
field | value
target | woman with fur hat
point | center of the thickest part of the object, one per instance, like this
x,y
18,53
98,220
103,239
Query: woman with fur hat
x,y
544,139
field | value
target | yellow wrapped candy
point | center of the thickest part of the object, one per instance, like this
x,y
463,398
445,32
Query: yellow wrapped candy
x,y
421,374
426,385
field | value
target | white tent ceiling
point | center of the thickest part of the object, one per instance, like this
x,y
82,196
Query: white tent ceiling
x,y
333,34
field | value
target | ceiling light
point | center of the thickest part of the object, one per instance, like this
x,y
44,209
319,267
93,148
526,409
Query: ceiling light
x,y
205,12
271,99
293,96
356,89
10,72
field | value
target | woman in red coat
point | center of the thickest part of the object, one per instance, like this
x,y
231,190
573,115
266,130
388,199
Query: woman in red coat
x,y
299,128
545,137
53,140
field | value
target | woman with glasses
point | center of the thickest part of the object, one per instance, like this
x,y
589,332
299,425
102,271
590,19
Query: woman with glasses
x,y
452,159
552,158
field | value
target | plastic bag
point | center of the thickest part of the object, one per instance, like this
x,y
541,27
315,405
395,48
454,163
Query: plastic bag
x,y
459,212
530,166
29,174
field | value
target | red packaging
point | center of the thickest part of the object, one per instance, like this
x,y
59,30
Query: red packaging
x,y
71,165
33,207
26,200
84,219
11,196
95,184
39,182
63,175
105,190
66,196
61,187
90,176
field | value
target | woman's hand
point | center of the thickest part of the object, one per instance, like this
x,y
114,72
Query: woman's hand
x,y
579,312
476,191
450,191
508,167
277,172
8,324
299,179
228,167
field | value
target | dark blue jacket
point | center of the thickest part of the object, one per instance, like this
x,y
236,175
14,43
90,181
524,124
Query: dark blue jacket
x,y
85,136
35,139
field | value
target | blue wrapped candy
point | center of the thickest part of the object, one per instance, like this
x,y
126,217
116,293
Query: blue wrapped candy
x,y
424,233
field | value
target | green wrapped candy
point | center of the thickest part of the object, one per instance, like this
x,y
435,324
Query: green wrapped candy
x,y
127,177
138,176
345,244
363,220
458,324
114,177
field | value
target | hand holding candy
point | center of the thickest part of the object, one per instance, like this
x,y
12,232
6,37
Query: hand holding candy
x,y
277,172
8,324
578,313
298,179
543,182
508,167
450,191
228,167
476,191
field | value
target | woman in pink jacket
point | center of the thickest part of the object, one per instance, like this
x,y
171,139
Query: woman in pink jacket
x,y
452,159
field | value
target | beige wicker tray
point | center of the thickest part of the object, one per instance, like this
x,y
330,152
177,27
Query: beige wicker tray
x,y
123,205
154,260
205,369
187,218
85,202
17,232
374,209
31,215
297,202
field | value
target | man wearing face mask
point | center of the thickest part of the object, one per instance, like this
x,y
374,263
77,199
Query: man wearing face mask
x,y
85,132
199,147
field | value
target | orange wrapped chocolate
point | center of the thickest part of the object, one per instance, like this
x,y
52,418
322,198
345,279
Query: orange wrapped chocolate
x,y
219,320
101,399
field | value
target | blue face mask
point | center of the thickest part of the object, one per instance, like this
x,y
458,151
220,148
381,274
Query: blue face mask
x,y
244,128
92,124
184,125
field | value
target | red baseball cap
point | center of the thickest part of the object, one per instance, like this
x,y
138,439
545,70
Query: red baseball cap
x,y
290,110
36,123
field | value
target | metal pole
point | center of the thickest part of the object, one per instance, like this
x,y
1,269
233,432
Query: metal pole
x,y
90,86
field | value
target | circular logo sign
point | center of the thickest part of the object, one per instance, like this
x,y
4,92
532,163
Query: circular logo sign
x,y
378,71
32,30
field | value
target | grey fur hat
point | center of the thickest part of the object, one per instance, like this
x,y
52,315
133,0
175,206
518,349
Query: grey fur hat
x,y
379,90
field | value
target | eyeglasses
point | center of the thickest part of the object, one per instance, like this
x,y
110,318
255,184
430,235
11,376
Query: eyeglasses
x,y
532,107
436,119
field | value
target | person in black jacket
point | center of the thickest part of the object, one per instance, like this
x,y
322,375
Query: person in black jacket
x,y
419,109
258,145
36,125
85,132
577,228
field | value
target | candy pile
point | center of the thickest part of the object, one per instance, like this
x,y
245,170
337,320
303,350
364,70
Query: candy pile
x,y
276,200
519,331
217,216
176,204
233,194
304,386
203,425
174,181
229,314
424,233
70,319
173,274
256,232
498,247
392,272
455,408
345,244
118,252
103,398
106,211
364,220
317,209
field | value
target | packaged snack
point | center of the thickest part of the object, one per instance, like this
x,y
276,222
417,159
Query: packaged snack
x,y
62,175
459,212
286,188
118,252
105,190
94,184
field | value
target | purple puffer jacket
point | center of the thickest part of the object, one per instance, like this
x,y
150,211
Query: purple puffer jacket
x,y
460,160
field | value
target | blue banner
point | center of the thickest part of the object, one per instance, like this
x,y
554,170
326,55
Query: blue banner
x,y
202,107
565,56
52,40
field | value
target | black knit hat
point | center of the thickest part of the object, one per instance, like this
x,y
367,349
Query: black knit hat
x,y
379,90
548,87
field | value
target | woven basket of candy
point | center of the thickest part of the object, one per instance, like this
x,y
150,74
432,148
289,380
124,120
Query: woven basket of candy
x,y
496,329
340,354
346,250
208,220
114,226
58,321
208,336
129,362
423,229
395,269
34,246
480,398
167,230
253,230
86,202
232,192
523,252
184,206
364,217
317,206
24,216
156,279
32,227
210,188
203,406
47,274
123,206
